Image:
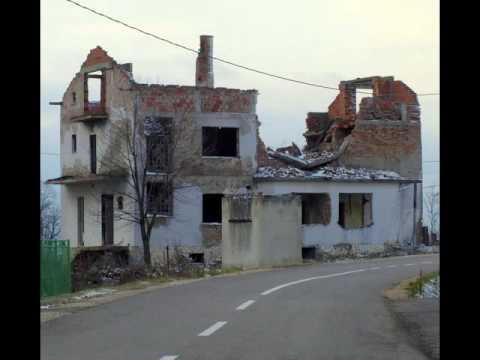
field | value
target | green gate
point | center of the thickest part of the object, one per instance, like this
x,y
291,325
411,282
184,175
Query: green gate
x,y
55,269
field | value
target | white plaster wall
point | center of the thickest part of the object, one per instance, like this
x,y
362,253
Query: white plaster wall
x,y
390,212
272,238
407,212
183,228
123,231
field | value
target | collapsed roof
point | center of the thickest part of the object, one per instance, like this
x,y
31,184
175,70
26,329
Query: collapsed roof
x,y
383,135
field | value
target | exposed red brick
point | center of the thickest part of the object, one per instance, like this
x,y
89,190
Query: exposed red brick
x,y
97,56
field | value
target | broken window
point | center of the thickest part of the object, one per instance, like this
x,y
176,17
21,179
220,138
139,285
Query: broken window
x,y
355,211
159,198
218,141
158,133
212,208
316,209
94,89
74,143
74,97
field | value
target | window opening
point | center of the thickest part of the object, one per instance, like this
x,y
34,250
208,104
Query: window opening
x,y
94,92
212,208
217,141
74,143
158,133
360,96
355,211
159,198
316,209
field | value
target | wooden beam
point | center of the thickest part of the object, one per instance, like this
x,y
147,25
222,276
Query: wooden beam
x,y
56,102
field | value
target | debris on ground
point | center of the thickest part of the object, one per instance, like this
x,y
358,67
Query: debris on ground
x,y
94,293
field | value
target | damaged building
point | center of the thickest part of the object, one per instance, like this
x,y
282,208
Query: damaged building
x,y
355,187
218,192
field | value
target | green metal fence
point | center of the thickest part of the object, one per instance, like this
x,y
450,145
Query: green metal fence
x,y
55,269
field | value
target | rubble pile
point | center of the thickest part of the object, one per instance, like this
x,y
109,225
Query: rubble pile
x,y
328,173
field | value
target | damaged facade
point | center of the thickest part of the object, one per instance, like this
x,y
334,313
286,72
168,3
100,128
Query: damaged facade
x,y
358,178
218,191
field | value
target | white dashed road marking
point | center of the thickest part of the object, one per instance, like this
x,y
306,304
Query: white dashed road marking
x,y
269,291
427,262
391,266
169,357
374,268
245,305
212,328
408,264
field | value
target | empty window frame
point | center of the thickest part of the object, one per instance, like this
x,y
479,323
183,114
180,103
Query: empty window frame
x,y
159,198
158,135
355,210
74,143
316,209
94,92
219,141
212,208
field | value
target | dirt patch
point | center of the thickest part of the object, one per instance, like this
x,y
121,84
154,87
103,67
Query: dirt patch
x,y
401,291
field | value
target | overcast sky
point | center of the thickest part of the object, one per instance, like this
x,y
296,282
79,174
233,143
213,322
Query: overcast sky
x,y
315,41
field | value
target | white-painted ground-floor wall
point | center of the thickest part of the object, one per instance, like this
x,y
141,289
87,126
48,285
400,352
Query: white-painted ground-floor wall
x,y
392,209
394,217
92,193
182,231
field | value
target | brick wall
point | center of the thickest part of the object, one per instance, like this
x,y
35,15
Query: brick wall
x,y
170,98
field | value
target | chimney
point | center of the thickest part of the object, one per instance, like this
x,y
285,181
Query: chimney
x,y
204,73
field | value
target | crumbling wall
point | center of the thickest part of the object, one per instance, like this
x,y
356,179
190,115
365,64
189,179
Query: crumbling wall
x,y
118,107
173,98
318,125
385,145
342,109
384,134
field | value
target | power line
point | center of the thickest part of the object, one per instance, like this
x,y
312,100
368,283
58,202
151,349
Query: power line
x,y
216,58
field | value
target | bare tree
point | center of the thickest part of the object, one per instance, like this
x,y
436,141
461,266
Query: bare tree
x,y
141,151
432,209
49,214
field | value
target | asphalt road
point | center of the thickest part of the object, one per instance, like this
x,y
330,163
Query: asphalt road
x,y
323,311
